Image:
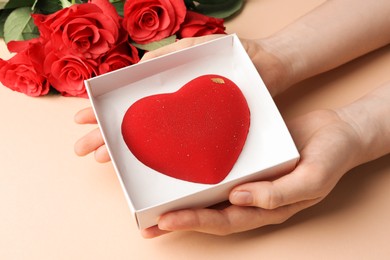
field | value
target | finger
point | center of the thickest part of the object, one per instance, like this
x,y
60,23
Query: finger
x,y
101,154
181,44
300,185
89,143
153,232
230,220
85,116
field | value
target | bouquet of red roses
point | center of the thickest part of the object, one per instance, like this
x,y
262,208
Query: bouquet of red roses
x,y
59,44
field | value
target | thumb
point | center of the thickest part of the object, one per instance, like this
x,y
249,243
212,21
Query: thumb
x,y
259,194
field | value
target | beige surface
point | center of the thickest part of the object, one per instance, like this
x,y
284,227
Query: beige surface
x,y
54,205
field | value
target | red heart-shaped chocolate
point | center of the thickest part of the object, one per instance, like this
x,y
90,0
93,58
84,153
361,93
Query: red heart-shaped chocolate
x,y
195,134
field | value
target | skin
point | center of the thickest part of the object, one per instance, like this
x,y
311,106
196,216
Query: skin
x,y
331,142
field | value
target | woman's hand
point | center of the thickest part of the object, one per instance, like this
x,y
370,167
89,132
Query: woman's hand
x,y
326,144
330,142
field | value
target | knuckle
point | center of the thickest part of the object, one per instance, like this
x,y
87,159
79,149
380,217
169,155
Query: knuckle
x,y
275,199
269,197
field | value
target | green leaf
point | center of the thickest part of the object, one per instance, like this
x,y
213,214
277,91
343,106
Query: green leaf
x,y
65,3
20,26
119,6
157,44
220,9
189,4
48,7
213,2
3,16
12,4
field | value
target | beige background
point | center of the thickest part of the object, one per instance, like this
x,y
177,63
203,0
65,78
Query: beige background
x,y
55,205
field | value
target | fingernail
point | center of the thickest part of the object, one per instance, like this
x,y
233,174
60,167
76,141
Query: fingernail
x,y
242,198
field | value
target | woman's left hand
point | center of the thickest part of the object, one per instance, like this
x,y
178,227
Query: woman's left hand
x,y
326,144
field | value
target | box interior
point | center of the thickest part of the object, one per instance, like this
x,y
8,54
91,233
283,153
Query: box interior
x,y
268,143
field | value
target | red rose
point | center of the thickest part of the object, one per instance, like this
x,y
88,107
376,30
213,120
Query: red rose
x,y
152,20
67,73
121,56
87,30
24,71
196,24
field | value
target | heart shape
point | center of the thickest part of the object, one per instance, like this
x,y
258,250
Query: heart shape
x,y
195,134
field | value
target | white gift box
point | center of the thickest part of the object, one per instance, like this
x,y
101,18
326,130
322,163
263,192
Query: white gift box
x,y
269,150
